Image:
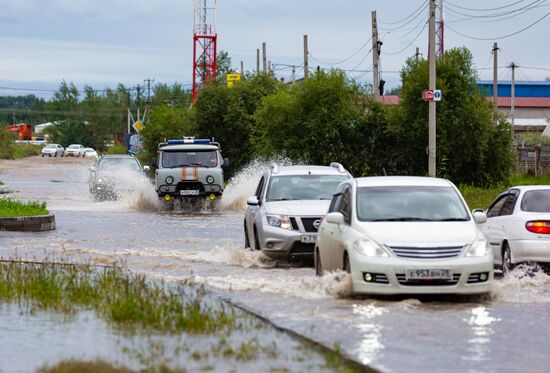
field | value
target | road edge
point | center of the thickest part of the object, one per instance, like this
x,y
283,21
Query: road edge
x,y
38,223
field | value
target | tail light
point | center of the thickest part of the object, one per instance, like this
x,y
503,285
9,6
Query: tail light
x,y
538,226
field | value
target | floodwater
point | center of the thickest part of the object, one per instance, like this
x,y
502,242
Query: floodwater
x,y
508,332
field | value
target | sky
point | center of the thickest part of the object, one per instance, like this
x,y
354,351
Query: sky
x,y
105,42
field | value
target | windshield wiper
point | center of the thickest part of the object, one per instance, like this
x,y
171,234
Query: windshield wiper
x,y
452,219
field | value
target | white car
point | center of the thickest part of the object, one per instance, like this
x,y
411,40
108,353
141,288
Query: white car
x,y
75,150
518,226
90,153
52,150
405,235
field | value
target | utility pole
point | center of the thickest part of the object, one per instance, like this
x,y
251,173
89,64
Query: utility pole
x,y
264,51
513,92
293,73
258,61
129,115
375,56
417,54
432,82
242,70
306,59
495,74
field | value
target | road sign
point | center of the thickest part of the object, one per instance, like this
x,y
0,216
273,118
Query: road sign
x,y
431,95
231,78
138,126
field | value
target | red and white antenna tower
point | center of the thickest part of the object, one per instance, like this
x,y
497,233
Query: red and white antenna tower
x,y
439,30
204,44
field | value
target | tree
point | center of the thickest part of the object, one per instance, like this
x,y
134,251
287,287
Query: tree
x,y
470,147
223,66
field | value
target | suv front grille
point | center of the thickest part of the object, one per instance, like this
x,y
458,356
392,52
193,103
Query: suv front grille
x,y
427,252
308,224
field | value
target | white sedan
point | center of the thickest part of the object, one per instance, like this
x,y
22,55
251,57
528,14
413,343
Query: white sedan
x,y
76,150
404,235
53,150
90,153
518,226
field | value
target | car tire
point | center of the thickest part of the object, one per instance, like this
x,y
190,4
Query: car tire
x,y
246,239
317,260
256,240
346,267
55,155
507,265
42,155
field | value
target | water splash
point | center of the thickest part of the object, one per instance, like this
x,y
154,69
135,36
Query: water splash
x,y
525,284
244,183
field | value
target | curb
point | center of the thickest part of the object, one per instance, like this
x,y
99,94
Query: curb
x,y
38,223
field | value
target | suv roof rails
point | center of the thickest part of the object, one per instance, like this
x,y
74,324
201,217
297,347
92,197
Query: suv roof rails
x,y
338,166
275,168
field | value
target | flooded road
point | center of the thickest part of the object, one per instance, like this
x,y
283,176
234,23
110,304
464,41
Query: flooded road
x,y
508,332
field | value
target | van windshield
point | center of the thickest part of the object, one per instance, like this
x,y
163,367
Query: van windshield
x,y
198,158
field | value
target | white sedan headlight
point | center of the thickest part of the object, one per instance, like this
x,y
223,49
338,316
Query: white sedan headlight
x,y
368,247
280,221
480,247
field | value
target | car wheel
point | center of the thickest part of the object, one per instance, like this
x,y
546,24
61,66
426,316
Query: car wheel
x,y
507,265
256,240
42,155
246,240
347,267
55,155
318,266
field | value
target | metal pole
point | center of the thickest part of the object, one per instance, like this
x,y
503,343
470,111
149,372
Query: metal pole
x,y
495,74
264,50
258,61
242,70
306,60
375,55
513,93
432,85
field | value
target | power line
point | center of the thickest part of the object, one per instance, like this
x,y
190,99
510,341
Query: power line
x,y
486,9
408,23
500,37
422,5
408,45
345,59
495,15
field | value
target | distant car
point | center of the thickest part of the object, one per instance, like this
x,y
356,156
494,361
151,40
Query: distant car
x,y
90,153
75,150
53,150
112,175
284,214
518,226
404,235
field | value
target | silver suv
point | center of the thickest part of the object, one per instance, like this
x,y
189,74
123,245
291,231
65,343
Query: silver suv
x,y
284,214
189,168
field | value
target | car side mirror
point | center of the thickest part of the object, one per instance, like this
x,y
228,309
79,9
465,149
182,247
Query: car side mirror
x,y
154,161
252,201
335,218
480,216
146,168
226,163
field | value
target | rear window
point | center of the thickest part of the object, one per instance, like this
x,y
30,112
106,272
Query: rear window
x,y
536,201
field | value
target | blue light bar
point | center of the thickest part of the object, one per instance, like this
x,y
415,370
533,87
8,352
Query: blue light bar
x,y
175,142
188,141
202,141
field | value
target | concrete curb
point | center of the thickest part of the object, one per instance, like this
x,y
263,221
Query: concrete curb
x,y
28,223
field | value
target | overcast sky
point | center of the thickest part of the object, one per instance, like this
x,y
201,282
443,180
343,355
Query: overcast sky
x,y
103,42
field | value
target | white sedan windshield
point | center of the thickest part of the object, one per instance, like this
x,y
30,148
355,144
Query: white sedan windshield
x,y
303,187
410,203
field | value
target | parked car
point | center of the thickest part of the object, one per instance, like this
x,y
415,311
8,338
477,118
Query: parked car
x,y
398,234
53,150
112,175
75,150
284,214
90,153
518,226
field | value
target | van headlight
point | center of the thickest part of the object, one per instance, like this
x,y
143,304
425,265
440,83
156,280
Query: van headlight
x,y
280,221
368,247
480,247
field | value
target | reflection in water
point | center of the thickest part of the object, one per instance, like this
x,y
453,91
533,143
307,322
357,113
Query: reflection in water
x,y
370,346
480,322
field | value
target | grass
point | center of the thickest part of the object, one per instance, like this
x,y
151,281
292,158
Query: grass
x,y
123,299
116,149
478,197
14,150
10,207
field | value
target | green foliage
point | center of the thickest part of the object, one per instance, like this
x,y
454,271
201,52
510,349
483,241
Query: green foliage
x,y
9,149
227,115
10,207
223,66
469,146
116,149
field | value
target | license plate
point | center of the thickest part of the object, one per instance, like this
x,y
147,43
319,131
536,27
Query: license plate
x,y
429,274
309,239
190,192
